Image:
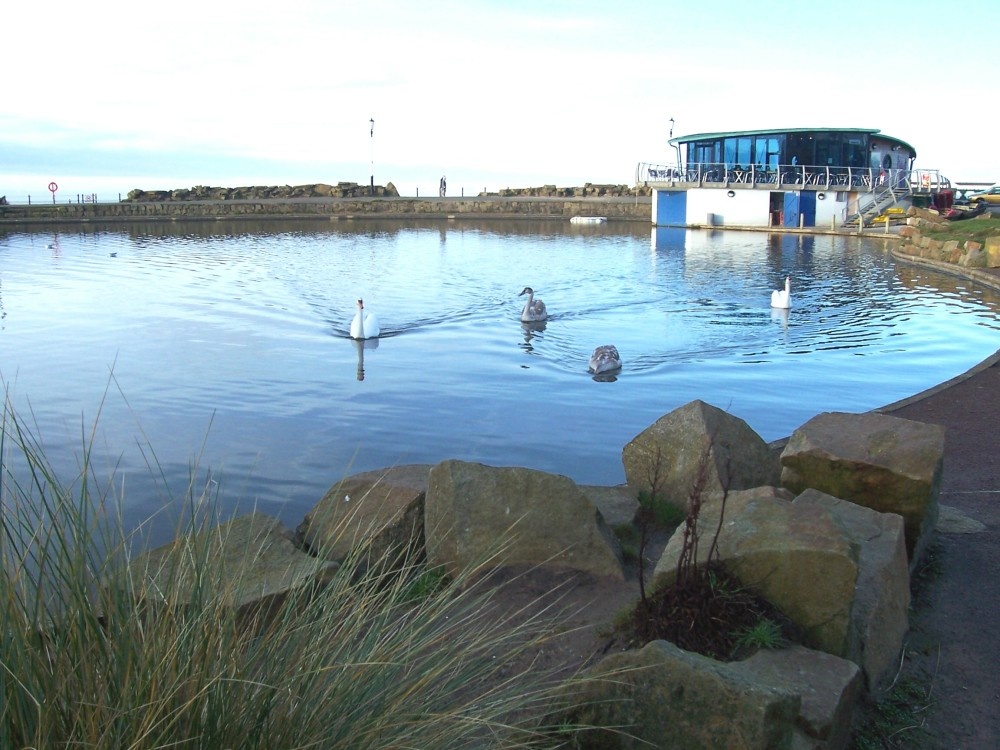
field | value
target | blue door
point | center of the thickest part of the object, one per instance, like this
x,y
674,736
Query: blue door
x,y
791,211
807,207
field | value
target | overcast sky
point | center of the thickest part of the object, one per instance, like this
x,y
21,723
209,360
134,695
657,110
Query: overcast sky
x,y
108,95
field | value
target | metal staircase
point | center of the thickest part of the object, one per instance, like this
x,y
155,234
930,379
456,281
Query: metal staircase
x,y
873,204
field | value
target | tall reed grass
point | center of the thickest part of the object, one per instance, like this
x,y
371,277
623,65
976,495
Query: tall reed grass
x,y
98,652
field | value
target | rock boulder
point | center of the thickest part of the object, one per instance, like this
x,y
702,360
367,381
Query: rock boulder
x,y
379,510
885,463
660,696
671,451
800,558
477,515
880,611
828,687
251,562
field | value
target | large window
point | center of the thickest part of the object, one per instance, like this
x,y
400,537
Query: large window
x,y
800,149
766,151
855,149
819,148
737,152
704,152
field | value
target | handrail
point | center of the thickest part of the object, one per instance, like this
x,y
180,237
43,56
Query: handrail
x,y
724,174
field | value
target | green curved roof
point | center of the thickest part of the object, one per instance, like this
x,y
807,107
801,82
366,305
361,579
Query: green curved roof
x,y
781,131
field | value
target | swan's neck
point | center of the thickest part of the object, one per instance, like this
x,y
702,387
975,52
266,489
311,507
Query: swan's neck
x,y
527,305
361,321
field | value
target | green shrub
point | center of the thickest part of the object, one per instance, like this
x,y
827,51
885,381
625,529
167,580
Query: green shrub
x,y
628,542
765,634
665,513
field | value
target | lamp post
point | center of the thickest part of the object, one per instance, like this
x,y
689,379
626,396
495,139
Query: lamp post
x,y
676,147
371,189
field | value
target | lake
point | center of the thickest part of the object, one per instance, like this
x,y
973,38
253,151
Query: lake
x,y
217,354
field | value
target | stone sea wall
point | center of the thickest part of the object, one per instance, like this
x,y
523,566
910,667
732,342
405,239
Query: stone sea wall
x,y
343,201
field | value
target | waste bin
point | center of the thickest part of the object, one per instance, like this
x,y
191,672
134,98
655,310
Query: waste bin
x,y
944,199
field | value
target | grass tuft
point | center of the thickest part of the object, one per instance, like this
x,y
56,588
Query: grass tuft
x,y
100,650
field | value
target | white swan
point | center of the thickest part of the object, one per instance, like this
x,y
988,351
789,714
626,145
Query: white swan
x,y
604,359
365,324
534,309
782,298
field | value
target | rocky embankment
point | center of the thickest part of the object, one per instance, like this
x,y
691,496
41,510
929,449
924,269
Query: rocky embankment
x,y
354,190
965,253
261,193
827,527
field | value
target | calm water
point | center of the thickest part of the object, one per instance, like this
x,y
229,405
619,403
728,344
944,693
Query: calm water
x,y
224,353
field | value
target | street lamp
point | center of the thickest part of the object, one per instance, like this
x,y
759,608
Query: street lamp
x,y
372,123
676,147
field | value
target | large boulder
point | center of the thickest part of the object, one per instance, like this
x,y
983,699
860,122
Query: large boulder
x,y
828,687
618,505
698,444
477,515
379,511
800,558
992,251
838,570
880,611
660,696
250,562
885,463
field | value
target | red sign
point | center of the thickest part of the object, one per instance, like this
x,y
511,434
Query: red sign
x,y
53,187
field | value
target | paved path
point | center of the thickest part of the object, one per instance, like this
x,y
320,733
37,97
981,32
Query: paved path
x,y
954,645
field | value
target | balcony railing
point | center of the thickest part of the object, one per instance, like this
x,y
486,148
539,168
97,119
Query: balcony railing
x,y
791,175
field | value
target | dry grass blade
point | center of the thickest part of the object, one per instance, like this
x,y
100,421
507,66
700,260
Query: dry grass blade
x,y
93,654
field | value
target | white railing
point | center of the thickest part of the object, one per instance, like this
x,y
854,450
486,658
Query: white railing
x,y
43,198
725,175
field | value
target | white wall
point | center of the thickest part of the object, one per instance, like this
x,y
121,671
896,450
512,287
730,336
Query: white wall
x,y
830,208
748,208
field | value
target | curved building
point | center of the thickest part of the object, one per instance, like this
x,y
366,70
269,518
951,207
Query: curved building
x,y
795,177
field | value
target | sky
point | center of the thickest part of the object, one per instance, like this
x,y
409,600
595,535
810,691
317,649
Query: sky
x,y
104,96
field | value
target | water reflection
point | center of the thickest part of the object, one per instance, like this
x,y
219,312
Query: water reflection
x,y
606,377
360,346
362,227
779,315
187,313
531,331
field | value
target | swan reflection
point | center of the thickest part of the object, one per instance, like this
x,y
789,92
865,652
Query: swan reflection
x,y
530,331
780,315
360,345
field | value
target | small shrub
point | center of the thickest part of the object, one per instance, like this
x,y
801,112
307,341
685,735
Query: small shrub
x,y
627,538
765,633
665,513
895,720
426,583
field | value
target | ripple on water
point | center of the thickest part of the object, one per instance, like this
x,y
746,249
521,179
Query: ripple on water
x,y
231,347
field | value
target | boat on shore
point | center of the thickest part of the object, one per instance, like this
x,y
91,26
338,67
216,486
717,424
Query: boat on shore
x,y
588,220
957,213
